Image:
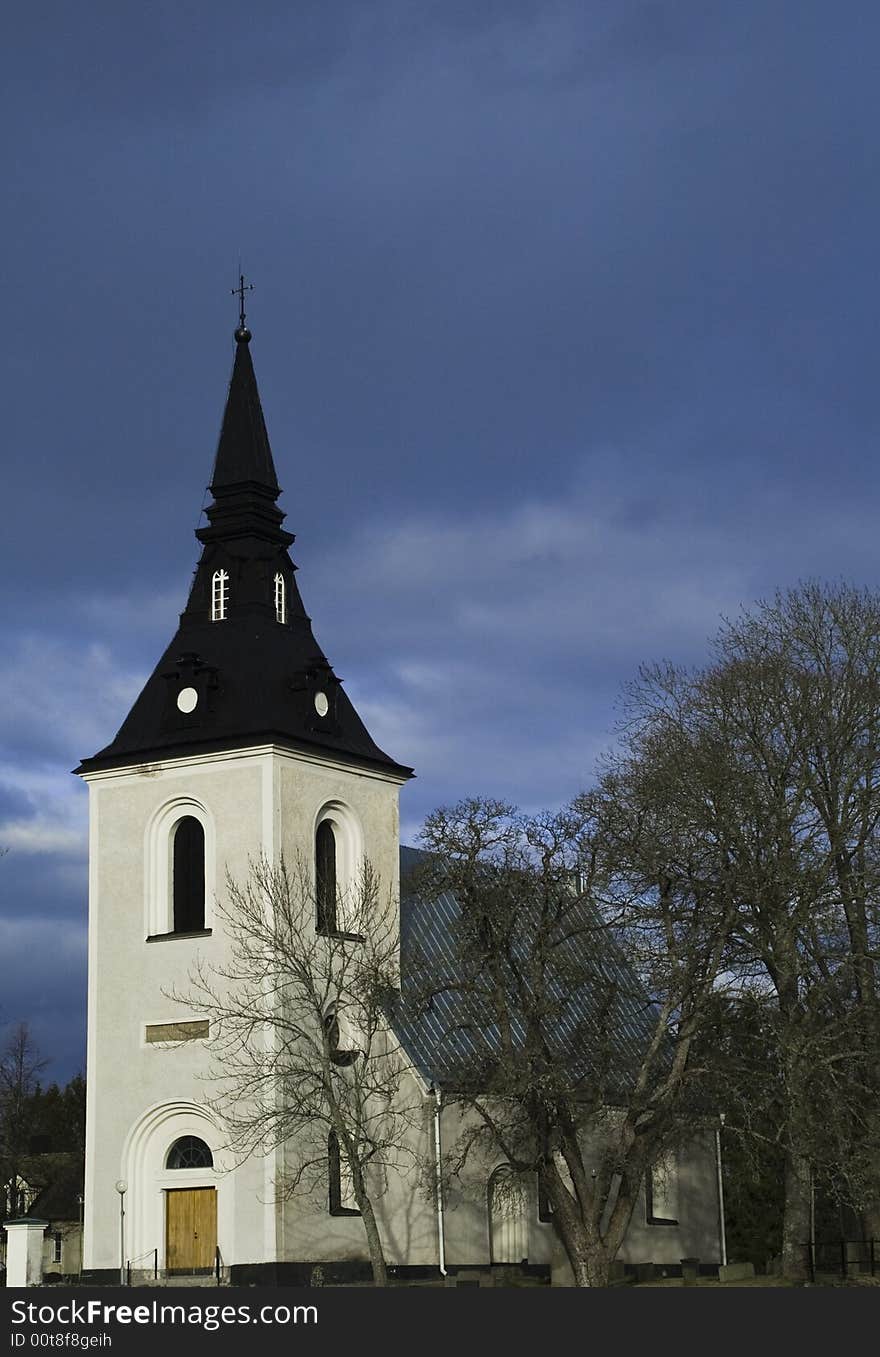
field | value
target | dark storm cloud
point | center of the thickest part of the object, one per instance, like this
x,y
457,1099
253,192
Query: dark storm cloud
x,y
43,889
13,802
487,242
43,955
59,696
565,325
43,982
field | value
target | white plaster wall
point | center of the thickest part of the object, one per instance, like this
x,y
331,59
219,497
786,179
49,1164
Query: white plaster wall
x,y
695,1236
24,1253
71,1249
403,1200
304,789
128,1080
142,1097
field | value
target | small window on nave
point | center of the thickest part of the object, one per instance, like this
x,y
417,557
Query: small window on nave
x,y
661,1191
342,1052
342,1199
188,869
508,1216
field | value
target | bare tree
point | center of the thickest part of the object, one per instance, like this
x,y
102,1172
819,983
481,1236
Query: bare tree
x,y
826,639
20,1067
769,758
303,1053
580,983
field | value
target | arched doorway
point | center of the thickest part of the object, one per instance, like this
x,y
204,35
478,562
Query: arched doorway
x,y
190,1212
172,1147
508,1217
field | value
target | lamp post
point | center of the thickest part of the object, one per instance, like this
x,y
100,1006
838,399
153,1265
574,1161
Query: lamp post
x,y
121,1187
813,1225
79,1201
723,1233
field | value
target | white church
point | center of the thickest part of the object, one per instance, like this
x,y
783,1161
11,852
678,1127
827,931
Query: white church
x,y
243,743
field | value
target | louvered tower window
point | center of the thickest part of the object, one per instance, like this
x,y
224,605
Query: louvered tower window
x,y
219,595
280,598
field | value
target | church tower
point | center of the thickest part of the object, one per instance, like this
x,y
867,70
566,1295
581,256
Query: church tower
x,y
242,743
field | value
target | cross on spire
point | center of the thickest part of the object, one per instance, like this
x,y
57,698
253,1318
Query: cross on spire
x,y
239,292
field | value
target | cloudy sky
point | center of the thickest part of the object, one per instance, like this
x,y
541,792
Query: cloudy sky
x,y
565,324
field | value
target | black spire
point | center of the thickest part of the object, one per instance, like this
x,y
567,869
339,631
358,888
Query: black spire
x,y
243,454
244,667
243,482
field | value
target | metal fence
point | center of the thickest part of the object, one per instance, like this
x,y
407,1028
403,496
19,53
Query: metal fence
x,y
846,1257
145,1268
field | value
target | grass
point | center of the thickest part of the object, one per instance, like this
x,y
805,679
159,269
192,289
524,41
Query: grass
x,y
822,1279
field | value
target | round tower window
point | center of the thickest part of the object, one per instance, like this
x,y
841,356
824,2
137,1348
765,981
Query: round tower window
x,y
322,706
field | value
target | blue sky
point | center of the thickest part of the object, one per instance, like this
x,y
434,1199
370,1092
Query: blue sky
x,y
565,325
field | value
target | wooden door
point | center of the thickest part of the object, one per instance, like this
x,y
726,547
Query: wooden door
x,y
190,1229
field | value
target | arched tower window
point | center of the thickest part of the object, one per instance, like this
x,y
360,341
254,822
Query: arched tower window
x,y
280,598
165,860
325,877
188,868
189,1153
219,595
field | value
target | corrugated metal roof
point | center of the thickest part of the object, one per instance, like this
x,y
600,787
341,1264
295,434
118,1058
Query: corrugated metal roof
x,y
598,1017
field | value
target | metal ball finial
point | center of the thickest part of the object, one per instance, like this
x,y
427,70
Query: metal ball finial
x,y
242,335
